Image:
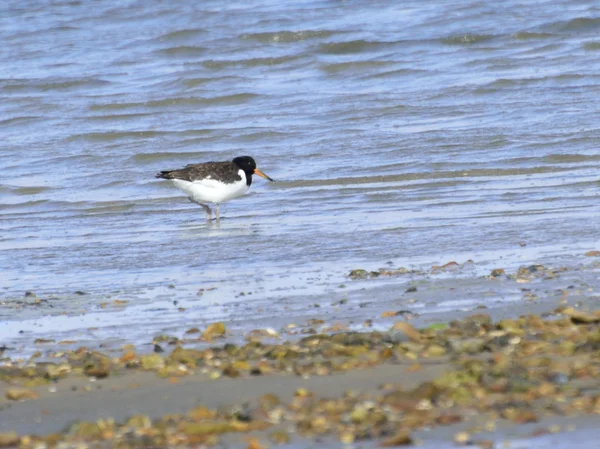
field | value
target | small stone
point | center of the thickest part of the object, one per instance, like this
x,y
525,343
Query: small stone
x,y
269,401
97,365
580,317
359,414
201,413
9,439
497,272
413,334
302,393
402,438
168,339
139,422
279,437
467,345
462,438
57,371
128,356
450,266
347,437
358,274
20,394
152,362
254,443
214,330
230,371
435,351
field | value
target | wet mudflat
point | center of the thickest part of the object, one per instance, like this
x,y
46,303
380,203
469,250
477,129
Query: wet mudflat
x,y
399,377
369,297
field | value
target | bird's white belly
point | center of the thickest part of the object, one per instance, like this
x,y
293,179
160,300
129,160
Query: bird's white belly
x,y
211,191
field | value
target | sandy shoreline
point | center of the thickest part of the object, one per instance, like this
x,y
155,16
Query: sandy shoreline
x,y
121,397
424,294
540,371
143,393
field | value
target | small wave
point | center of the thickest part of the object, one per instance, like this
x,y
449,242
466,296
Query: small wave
x,y
451,174
171,155
19,120
30,190
104,208
195,132
252,62
178,101
42,163
195,142
108,117
577,24
115,135
355,66
344,48
569,158
181,51
193,82
262,135
468,39
63,28
569,77
27,205
591,46
503,83
45,85
181,34
526,35
286,36
397,73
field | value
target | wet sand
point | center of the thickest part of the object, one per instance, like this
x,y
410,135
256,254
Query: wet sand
x,y
425,292
365,343
143,393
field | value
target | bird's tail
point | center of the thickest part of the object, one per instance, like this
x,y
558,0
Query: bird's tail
x,y
165,174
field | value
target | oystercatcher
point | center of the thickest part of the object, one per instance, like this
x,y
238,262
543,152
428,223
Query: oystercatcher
x,y
214,182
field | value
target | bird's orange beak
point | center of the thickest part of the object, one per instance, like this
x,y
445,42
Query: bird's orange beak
x,y
262,175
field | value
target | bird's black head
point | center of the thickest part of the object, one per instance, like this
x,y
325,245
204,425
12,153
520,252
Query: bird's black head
x,y
248,164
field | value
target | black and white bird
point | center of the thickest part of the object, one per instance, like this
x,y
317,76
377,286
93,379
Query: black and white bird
x,y
214,182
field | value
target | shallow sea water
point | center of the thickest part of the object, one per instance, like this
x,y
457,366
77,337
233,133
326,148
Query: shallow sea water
x,y
400,133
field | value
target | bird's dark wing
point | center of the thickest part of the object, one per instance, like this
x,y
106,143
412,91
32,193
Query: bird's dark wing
x,y
226,172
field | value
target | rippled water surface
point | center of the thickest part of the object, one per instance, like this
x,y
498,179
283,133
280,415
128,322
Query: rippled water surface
x,y
397,131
